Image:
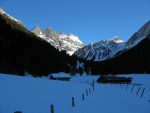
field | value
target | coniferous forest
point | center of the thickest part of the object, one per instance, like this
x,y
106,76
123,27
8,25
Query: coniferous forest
x,y
134,60
21,51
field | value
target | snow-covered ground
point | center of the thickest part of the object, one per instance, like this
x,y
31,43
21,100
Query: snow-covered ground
x,y
144,82
35,95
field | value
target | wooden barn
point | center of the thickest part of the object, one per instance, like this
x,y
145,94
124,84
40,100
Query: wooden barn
x,y
114,79
60,76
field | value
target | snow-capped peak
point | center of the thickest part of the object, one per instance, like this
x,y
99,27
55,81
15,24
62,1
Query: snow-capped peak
x,y
62,41
101,50
37,30
75,38
37,27
71,37
116,39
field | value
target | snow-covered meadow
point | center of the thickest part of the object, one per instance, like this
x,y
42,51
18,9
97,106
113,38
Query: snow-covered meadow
x,y
35,95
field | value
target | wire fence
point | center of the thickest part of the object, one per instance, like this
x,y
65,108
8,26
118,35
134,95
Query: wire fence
x,y
136,89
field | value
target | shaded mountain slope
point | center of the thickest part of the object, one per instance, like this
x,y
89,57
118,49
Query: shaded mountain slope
x,y
134,60
21,51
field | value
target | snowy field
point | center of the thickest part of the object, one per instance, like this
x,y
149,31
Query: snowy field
x,y
35,95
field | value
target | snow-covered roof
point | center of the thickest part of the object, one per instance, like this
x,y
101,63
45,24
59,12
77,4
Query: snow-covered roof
x,y
60,75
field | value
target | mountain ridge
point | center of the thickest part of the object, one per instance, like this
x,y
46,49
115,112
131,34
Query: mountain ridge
x,y
68,42
139,35
12,18
101,50
21,51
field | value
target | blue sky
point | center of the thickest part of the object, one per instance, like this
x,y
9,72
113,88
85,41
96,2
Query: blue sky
x,y
91,20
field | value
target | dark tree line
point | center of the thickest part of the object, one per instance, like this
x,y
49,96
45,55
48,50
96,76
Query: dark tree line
x,y
21,51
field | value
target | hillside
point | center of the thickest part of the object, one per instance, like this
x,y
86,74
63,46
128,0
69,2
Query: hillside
x,y
21,51
106,49
133,60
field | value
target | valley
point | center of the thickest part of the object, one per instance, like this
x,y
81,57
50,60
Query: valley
x,y
36,95
46,71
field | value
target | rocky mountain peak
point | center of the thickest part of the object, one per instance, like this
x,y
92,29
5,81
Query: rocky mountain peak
x,y
49,32
37,27
117,39
37,30
101,50
62,41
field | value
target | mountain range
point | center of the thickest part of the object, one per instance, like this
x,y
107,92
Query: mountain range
x,y
107,49
68,42
42,52
101,50
98,51
134,57
21,51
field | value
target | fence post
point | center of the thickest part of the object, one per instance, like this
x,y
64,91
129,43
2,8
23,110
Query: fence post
x,y
52,108
142,92
86,92
89,90
127,87
83,96
132,88
93,85
17,112
138,91
73,103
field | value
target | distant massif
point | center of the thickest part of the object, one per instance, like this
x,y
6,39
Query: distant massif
x,y
40,52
